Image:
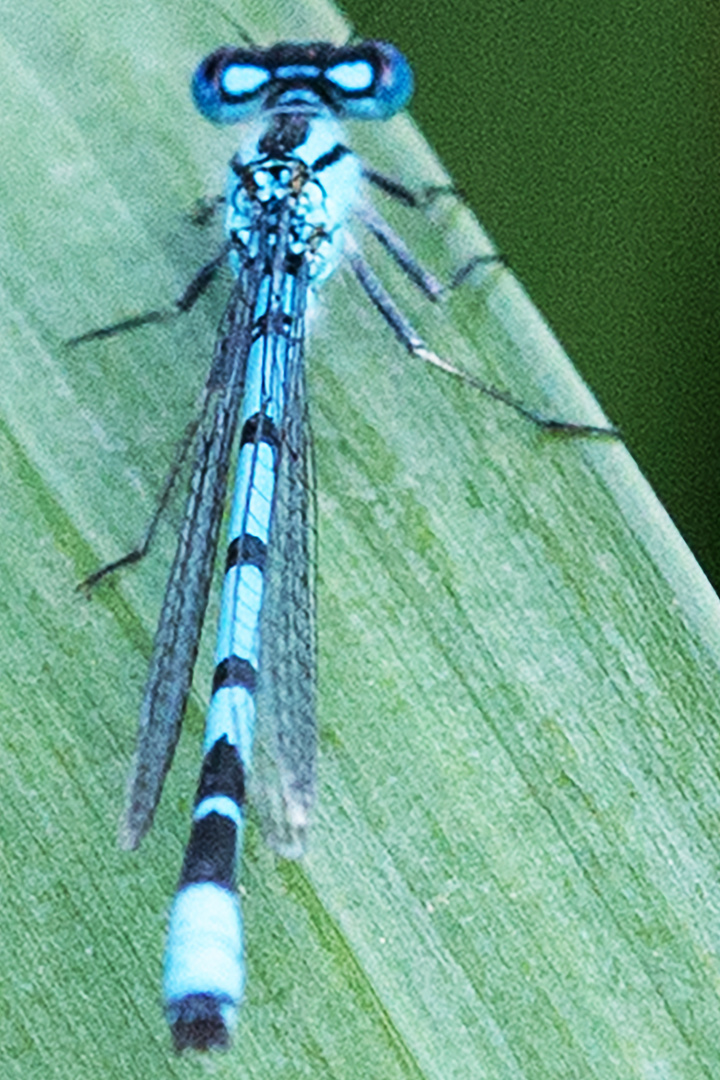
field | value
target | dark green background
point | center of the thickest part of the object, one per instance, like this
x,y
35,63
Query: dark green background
x,y
585,137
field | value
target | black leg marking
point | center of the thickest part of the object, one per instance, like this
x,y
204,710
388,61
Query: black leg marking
x,y
425,196
139,552
415,345
460,276
399,251
205,210
195,289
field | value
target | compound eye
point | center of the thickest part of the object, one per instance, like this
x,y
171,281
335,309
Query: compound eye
x,y
229,85
369,81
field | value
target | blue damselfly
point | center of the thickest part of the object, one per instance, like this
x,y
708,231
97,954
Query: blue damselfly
x,y
292,184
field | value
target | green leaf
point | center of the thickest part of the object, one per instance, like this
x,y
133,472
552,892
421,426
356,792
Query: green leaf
x,y
513,870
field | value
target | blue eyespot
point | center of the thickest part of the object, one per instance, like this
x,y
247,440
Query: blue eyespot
x,y
352,75
240,79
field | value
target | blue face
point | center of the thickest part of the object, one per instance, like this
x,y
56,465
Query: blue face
x,y
368,81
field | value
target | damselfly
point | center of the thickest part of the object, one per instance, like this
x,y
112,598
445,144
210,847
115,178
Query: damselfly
x,y
292,184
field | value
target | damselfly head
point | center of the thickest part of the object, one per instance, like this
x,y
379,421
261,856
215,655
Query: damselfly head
x,y
368,81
